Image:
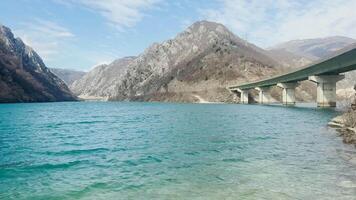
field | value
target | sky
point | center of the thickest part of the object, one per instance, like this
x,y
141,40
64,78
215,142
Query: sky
x,y
80,34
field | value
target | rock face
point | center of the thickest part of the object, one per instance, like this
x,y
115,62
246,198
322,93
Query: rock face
x,y
197,64
67,75
103,80
23,75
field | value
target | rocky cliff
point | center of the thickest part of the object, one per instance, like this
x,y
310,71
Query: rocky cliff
x,y
103,80
23,75
197,64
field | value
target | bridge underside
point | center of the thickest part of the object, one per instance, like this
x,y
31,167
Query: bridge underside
x,y
325,74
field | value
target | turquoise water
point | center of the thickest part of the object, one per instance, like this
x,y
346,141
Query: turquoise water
x,y
102,150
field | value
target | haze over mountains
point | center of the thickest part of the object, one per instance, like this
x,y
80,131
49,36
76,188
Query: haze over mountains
x,y
314,49
68,75
23,75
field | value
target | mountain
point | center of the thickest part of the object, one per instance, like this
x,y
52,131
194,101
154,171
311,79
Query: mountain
x,y
314,49
23,75
67,75
298,53
197,64
102,81
287,59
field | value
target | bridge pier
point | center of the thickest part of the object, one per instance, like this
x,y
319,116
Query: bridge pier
x,y
326,89
243,96
263,95
288,95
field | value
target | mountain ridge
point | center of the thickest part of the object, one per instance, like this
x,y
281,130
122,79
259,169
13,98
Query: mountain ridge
x,y
23,75
315,48
202,60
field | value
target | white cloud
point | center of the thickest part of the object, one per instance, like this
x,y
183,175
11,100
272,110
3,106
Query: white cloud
x,y
45,37
272,21
119,13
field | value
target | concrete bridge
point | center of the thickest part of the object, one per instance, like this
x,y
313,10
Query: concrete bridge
x,y
324,73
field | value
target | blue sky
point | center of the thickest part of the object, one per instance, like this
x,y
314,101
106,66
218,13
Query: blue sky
x,y
79,34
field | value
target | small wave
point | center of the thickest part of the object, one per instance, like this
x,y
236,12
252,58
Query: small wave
x,y
77,151
76,123
264,138
191,153
12,165
150,159
49,166
88,189
182,166
234,160
146,160
130,163
134,187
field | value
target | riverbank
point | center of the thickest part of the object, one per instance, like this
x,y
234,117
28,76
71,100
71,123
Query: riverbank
x,y
346,131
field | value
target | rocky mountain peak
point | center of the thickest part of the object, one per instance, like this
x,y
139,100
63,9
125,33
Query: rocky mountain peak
x,y
7,39
16,47
207,32
124,60
5,33
206,26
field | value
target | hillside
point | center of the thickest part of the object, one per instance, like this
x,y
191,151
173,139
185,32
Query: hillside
x,y
102,81
23,75
197,64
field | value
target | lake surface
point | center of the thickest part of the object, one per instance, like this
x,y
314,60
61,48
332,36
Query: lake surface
x,y
104,150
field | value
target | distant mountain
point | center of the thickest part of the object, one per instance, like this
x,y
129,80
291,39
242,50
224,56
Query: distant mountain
x,y
314,49
197,64
23,75
298,53
67,75
101,82
287,59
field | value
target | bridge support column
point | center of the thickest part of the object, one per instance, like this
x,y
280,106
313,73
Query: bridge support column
x,y
288,95
326,89
243,96
263,95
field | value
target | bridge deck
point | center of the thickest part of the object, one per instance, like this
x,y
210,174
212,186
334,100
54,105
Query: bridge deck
x,y
343,61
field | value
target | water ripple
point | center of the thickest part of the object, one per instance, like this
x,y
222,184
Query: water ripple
x,y
109,150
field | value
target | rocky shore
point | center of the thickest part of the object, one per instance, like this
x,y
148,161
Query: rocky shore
x,y
346,124
348,133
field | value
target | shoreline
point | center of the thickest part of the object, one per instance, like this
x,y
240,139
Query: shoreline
x,y
346,132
